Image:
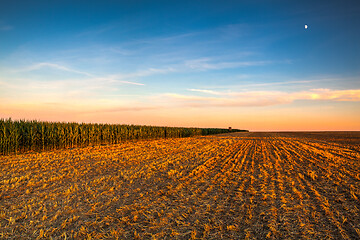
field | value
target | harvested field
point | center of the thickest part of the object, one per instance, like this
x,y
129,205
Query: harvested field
x,y
232,186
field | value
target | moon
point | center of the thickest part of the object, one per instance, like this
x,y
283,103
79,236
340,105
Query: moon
x,y
306,26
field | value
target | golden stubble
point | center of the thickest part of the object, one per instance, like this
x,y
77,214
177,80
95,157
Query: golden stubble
x,y
244,185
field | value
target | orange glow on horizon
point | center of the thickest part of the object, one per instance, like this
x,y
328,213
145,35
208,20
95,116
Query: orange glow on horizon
x,y
265,119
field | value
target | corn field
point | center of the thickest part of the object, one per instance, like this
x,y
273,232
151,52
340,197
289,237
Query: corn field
x,y
22,136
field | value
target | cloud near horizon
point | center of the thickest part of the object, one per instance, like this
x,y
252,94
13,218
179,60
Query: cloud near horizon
x,y
259,98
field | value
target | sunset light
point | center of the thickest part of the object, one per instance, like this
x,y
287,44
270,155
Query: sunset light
x,y
163,63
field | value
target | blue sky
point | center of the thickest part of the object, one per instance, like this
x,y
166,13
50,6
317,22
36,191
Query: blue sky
x,y
246,64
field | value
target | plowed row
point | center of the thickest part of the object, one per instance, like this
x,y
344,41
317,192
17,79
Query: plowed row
x,y
236,186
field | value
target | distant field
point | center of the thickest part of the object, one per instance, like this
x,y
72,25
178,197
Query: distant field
x,y
232,186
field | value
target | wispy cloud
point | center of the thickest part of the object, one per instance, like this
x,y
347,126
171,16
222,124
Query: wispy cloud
x,y
308,81
112,78
41,65
97,30
233,31
5,27
259,98
203,64
121,109
115,79
120,50
169,38
205,91
351,95
208,64
119,77
227,31
144,73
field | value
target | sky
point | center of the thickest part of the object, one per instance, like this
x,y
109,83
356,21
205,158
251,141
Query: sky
x,y
245,64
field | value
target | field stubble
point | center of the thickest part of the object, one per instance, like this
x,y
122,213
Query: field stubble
x,y
235,186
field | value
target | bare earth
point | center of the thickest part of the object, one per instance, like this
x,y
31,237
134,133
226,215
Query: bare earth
x,y
303,185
